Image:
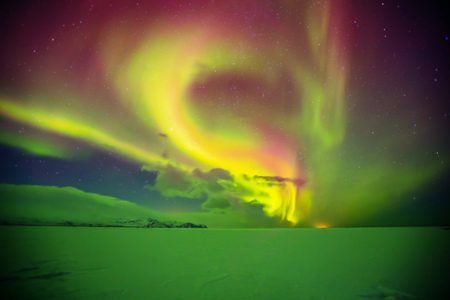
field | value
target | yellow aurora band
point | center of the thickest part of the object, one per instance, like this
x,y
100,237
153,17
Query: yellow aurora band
x,y
262,156
244,113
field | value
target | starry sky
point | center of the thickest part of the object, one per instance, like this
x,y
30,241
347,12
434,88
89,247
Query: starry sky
x,y
274,113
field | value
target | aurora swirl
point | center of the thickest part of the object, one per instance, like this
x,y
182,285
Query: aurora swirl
x,y
241,101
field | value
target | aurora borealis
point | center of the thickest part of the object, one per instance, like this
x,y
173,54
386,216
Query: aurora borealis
x,y
317,113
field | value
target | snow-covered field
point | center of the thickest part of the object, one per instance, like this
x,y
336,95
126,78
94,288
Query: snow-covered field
x,y
134,263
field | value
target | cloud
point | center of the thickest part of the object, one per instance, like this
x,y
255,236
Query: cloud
x,y
277,180
216,202
174,182
214,181
216,184
244,196
49,203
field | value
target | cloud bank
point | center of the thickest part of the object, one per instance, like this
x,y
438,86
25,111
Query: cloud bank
x,y
50,203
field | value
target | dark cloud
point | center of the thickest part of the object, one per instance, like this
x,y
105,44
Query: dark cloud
x,y
221,174
213,179
217,202
278,180
216,184
172,182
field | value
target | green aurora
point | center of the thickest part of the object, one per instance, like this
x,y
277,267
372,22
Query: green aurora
x,y
267,130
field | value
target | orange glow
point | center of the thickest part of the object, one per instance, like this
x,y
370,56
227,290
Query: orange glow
x,y
321,226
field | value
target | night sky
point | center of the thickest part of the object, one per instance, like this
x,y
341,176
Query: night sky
x,y
284,113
